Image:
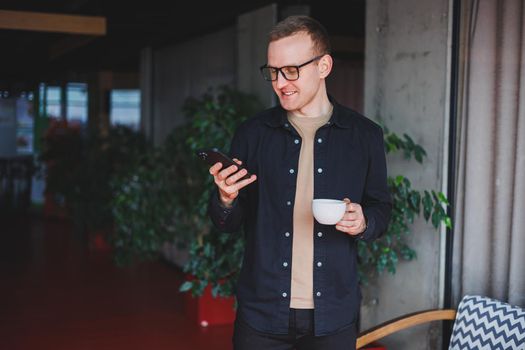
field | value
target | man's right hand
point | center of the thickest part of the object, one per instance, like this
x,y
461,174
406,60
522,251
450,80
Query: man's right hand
x,y
227,180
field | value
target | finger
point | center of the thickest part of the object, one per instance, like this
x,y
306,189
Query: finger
x,y
347,223
221,183
235,177
354,207
345,229
215,168
350,216
227,172
342,228
234,188
237,161
348,203
244,183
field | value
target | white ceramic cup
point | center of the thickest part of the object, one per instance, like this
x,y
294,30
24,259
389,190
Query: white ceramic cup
x,y
328,211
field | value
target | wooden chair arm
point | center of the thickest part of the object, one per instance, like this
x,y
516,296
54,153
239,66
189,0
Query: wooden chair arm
x,y
403,322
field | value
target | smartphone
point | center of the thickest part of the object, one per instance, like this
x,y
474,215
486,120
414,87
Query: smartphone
x,y
213,155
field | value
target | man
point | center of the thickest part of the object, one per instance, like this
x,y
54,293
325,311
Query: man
x,y
298,286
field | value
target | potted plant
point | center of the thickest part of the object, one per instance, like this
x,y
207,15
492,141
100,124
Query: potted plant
x,y
215,257
62,145
80,165
150,202
163,199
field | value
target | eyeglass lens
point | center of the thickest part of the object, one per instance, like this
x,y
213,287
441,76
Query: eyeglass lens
x,y
289,73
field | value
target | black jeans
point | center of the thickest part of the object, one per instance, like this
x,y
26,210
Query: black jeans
x,y
300,336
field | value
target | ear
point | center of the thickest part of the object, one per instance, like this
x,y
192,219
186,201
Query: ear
x,y
325,65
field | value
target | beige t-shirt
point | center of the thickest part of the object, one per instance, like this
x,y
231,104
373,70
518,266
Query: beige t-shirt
x,y
303,220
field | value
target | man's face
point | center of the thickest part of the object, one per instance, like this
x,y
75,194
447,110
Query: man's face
x,y
294,51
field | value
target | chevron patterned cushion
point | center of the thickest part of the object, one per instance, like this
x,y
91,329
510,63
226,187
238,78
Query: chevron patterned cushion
x,y
487,324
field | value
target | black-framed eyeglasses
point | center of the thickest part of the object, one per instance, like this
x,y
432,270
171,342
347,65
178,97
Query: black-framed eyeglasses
x,y
288,72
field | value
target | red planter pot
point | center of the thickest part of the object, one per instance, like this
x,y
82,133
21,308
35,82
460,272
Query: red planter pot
x,y
98,241
208,311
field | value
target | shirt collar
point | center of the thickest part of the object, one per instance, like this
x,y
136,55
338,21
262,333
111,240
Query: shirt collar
x,y
279,118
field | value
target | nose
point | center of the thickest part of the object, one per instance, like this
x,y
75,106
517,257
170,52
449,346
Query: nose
x,y
281,81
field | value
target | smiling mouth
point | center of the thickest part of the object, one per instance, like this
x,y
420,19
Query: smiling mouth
x,y
290,93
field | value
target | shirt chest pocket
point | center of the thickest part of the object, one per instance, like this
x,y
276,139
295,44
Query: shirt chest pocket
x,y
344,173
278,164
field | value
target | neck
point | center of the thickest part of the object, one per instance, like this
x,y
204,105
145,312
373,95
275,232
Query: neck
x,y
319,106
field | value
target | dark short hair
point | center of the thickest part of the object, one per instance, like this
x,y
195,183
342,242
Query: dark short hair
x,y
296,24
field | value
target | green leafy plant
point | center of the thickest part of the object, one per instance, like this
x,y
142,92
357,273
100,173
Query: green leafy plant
x,y
104,157
215,257
164,197
408,203
61,152
81,164
157,201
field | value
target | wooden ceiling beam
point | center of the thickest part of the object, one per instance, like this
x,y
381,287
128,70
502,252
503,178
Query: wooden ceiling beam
x,y
52,22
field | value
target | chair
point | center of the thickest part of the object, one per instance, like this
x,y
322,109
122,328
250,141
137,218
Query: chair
x,y
480,323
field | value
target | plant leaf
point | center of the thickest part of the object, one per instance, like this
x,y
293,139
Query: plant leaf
x,y
186,286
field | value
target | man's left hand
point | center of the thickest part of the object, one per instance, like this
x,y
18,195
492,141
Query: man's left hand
x,y
353,222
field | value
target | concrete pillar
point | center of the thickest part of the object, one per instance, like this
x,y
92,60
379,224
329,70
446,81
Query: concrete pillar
x,y
252,41
406,89
189,69
146,92
105,84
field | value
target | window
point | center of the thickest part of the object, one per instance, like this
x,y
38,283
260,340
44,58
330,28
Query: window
x,y
53,98
77,102
125,108
24,123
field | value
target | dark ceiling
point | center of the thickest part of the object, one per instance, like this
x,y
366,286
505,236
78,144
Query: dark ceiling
x,y
27,55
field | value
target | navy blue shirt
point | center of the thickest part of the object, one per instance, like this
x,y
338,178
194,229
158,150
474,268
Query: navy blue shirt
x,y
349,161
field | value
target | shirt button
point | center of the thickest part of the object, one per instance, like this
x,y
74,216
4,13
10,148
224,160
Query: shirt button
x,y
319,264
285,295
287,234
292,171
286,125
318,294
285,264
319,140
320,170
296,141
319,234
288,203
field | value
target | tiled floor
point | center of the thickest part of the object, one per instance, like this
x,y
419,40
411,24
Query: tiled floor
x,y
56,293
